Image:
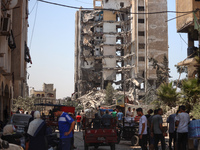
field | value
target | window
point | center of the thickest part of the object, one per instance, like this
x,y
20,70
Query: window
x,y
119,29
119,41
140,8
120,18
98,3
141,58
122,4
140,20
140,33
140,97
141,45
141,73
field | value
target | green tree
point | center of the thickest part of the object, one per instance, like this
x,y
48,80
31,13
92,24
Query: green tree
x,y
190,93
162,73
73,103
27,104
109,93
167,94
196,111
162,70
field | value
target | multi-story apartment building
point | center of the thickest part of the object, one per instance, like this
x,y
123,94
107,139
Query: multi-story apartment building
x,y
113,43
44,98
186,24
13,52
48,91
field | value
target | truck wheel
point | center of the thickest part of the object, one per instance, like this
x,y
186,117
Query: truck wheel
x,y
118,139
85,146
96,147
134,140
112,146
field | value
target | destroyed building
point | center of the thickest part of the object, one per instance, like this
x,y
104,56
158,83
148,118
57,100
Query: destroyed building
x,y
189,24
114,42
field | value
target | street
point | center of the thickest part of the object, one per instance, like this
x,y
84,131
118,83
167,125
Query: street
x,y
125,145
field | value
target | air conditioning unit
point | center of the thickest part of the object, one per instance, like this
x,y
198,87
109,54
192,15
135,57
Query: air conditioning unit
x,y
5,26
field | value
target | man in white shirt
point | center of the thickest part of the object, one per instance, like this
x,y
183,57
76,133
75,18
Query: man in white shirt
x,y
128,112
182,121
142,129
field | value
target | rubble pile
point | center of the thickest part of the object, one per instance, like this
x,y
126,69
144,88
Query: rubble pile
x,y
96,98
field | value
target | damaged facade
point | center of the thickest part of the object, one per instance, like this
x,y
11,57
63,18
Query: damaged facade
x,y
112,44
186,24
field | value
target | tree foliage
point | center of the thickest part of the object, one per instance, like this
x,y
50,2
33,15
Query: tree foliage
x,y
196,111
73,103
190,93
162,73
27,104
162,70
109,94
167,94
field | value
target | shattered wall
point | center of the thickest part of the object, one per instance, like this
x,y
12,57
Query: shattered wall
x,y
183,22
114,43
116,4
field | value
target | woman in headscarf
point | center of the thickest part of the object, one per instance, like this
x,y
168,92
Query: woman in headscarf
x,y
9,136
36,132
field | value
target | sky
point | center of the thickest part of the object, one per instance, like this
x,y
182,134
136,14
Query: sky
x,y
51,42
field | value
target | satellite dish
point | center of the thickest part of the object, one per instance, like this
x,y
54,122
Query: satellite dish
x,y
10,4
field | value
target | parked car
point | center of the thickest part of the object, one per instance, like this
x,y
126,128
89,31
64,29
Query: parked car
x,y
20,121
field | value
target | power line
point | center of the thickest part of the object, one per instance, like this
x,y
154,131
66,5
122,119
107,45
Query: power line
x,y
74,7
183,39
180,16
33,7
33,26
83,2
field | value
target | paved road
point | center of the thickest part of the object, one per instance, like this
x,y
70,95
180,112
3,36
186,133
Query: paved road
x,y
124,145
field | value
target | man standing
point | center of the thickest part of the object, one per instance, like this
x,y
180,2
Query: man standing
x,y
142,129
120,116
148,115
157,130
182,121
128,112
114,113
151,140
171,121
106,119
82,116
78,120
99,111
149,112
66,125
133,113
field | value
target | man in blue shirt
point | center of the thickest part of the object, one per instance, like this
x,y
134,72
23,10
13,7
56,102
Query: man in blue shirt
x,y
120,116
66,125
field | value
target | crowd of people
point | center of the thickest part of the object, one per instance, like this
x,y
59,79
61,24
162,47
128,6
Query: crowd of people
x,y
151,129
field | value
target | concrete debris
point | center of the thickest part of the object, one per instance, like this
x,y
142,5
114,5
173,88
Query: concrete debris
x,y
87,29
96,98
93,15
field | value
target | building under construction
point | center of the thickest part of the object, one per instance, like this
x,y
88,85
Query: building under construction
x,y
114,42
